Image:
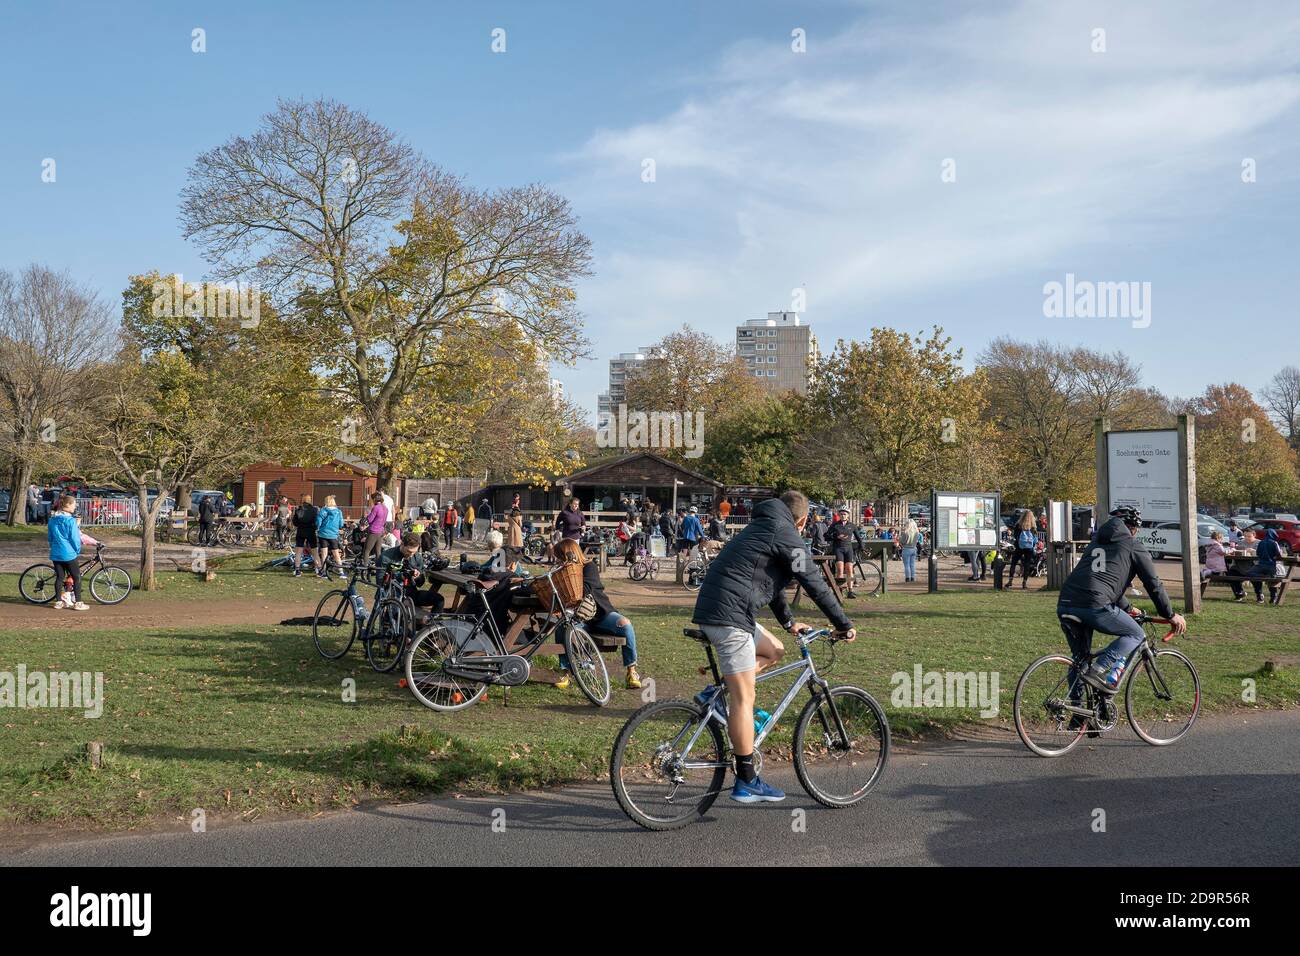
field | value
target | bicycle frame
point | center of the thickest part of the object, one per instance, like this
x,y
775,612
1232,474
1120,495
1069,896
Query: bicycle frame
x,y
807,674
485,624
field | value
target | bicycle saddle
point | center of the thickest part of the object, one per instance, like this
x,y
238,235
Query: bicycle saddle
x,y
1072,626
695,634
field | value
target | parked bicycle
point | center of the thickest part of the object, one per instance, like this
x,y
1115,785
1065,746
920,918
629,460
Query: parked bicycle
x,y
696,568
385,629
672,756
643,565
868,574
109,583
1055,707
456,657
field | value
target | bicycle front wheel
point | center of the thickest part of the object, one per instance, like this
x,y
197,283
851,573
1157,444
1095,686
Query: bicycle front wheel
x,y
668,765
426,662
1163,697
38,584
110,584
1042,695
334,627
838,762
388,634
586,664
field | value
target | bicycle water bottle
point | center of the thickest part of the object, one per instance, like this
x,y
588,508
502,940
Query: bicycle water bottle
x,y
359,607
761,717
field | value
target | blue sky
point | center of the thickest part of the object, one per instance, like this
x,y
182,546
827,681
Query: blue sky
x,y
774,169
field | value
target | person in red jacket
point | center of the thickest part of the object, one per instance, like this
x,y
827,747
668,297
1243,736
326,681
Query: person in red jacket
x,y
449,524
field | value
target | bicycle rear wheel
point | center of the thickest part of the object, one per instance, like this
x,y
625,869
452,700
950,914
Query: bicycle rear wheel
x,y
586,664
1163,697
1042,694
657,780
839,769
388,634
39,584
426,675
110,584
867,577
334,626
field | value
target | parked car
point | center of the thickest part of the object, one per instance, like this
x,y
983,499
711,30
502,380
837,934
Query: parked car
x,y
1164,539
1288,531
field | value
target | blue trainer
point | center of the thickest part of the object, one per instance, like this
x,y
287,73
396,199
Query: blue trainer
x,y
756,792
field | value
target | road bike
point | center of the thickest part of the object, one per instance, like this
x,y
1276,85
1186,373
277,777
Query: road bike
x,y
672,756
1055,707
454,659
385,629
109,583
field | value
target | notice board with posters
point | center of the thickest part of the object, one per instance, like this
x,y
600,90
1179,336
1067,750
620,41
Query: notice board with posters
x,y
964,520
1143,472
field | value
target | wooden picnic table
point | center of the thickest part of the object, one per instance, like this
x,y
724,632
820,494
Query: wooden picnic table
x,y
826,562
1241,562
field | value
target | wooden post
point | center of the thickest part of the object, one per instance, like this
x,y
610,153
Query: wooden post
x,y
1100,427
95,754
1187,513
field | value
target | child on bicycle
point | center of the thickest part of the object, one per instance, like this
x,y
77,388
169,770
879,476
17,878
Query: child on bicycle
x,y
65,547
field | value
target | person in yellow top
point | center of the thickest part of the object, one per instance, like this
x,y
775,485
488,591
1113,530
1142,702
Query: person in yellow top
x,y
467,526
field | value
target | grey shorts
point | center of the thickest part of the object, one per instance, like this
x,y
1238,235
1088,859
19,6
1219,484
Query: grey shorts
x,y
734,647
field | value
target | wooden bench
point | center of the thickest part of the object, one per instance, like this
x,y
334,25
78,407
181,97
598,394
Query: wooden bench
x,y
1234,577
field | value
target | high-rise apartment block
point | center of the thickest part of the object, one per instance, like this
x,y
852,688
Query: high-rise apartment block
x,y
779,351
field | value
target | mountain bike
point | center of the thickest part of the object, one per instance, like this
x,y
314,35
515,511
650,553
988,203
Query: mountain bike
x,y
1055,707
454,659
385,630
109,583
672,756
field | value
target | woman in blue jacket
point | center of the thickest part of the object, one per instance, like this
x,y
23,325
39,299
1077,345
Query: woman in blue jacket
x,y
329,522
65,547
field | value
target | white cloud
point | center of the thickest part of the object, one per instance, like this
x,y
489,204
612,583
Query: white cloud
x,y
824,168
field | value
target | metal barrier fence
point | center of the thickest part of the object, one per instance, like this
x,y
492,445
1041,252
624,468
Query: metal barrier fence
x,y
113,512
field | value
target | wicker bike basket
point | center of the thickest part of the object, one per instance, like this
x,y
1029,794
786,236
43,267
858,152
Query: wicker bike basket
x,y
568,585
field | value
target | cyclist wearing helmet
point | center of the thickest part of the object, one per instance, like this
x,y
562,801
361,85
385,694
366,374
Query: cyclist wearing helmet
x,y
1093,596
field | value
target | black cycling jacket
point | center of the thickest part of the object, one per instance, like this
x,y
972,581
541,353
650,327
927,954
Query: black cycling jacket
x,y
1099,580
754,569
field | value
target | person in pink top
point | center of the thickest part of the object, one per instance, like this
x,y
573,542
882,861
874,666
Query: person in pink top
x,y
1215,553
375,520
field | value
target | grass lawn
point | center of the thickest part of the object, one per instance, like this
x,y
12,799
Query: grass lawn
x,y
246,719
22,532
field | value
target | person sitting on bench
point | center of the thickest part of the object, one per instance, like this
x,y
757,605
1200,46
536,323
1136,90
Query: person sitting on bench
x,y
1267,567
1215,554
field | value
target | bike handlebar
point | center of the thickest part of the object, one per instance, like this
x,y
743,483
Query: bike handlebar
x,y
1144,618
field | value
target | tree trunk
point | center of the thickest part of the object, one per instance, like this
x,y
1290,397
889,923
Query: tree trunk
x,y
148,580
20,476
183,491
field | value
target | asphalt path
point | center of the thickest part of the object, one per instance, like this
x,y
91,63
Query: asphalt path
x,y
1226,795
